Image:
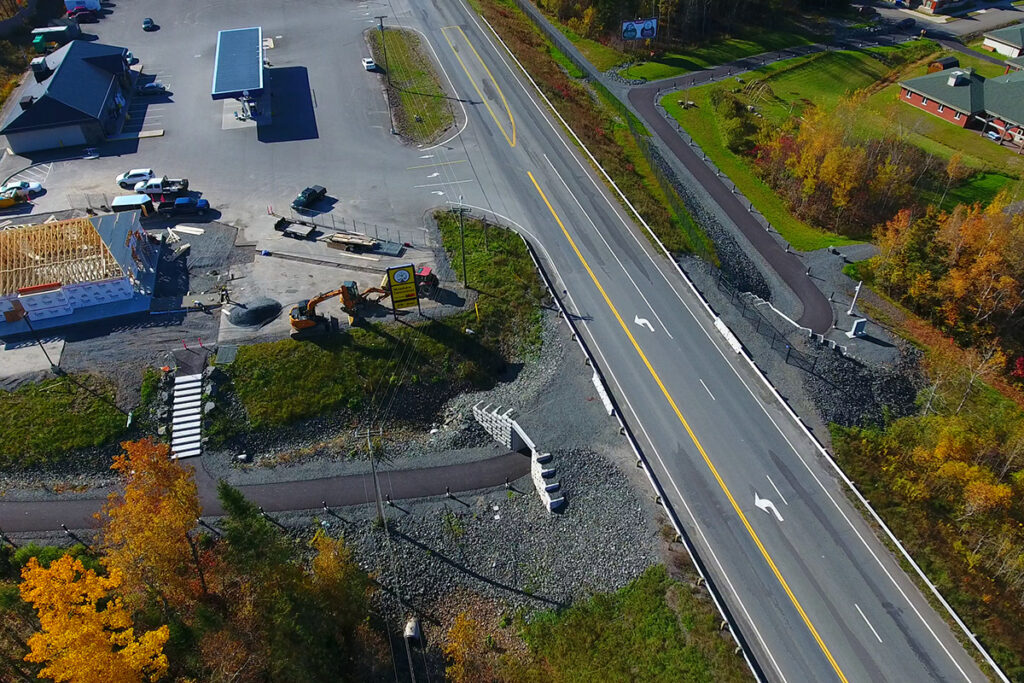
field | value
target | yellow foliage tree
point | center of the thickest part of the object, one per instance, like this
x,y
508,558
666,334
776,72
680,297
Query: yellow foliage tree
x,y
80,641
146,527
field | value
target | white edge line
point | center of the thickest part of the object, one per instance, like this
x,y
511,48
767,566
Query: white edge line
x,y
776,489
607,369
455,93
707,390
935,591
868,622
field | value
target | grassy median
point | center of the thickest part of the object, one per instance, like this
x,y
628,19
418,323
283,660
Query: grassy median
x,y
422,110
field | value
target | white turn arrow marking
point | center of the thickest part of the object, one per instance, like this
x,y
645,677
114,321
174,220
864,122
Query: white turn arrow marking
x,y
437,192
434,174
766,505
643,322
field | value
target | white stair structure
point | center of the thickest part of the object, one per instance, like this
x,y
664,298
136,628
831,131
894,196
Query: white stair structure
x,y
187,417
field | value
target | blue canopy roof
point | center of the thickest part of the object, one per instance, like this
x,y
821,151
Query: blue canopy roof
x,y
239,65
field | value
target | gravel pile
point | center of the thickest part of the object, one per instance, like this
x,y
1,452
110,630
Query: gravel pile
x,y
614,76
507,545
259,311
834,388
849,393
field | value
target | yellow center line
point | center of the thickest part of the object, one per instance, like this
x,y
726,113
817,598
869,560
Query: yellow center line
x,y
510,140
440,163
693,437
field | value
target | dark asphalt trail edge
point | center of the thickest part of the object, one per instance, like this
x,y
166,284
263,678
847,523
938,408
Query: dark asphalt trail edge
x,y
310,494
817,311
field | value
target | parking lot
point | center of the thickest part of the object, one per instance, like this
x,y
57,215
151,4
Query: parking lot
x,y
329,126
315,59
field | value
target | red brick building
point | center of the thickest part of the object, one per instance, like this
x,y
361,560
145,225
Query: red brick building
x,y
969,100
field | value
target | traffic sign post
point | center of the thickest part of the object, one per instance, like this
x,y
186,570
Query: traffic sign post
x,y
402,283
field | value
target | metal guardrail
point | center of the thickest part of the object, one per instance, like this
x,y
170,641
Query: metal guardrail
x,y
641,460
757,371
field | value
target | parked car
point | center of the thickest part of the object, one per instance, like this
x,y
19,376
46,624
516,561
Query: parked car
x,y
130,58
22,186
184,206
369,64
311,195
131,178
994,136
83,15
154,88
148,24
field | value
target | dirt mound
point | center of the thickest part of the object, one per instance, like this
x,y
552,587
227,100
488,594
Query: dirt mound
x,y
259,311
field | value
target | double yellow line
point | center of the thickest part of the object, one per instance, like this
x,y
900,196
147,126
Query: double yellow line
x,y
693,437
511,139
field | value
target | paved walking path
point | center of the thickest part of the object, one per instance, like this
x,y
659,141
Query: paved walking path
x,y
817,311
339,491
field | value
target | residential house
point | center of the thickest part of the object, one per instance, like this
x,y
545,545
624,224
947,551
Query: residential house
x,y
1008,41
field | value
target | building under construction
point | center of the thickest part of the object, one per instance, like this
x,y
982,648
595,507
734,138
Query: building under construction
x,y
74,271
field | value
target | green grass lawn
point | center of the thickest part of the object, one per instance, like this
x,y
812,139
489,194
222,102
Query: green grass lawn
x,y
717,52
602,56
43,422
284,381
883,112
423,112
822,80
703,127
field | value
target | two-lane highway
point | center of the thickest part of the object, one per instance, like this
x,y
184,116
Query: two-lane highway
x,y
817,596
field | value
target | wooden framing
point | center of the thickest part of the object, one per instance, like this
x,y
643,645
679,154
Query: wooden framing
x,y
66,252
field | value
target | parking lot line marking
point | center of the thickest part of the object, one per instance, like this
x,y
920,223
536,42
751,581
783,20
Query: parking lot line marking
x,y
440,163
449,182
510,140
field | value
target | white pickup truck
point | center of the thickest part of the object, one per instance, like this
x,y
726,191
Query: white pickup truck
x,y
162,185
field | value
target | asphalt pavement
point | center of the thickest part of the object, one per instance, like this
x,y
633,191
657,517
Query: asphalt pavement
x,y
815,593
339,491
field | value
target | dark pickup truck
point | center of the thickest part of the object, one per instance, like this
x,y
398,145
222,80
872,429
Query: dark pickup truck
x,y
184,206
311,195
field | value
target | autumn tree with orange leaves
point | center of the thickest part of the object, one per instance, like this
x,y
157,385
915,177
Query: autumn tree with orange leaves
x,y
86,631
147,526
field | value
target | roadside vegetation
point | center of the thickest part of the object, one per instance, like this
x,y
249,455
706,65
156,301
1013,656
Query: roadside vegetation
x,y
654,629
602,124
43,422
280,382
422,110
808,143
950,484
158,598
691,35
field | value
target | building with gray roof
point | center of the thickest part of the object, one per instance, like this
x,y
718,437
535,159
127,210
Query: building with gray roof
x,y
75,98
969,100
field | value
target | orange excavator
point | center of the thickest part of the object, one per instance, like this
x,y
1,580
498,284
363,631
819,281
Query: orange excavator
x,y
305,320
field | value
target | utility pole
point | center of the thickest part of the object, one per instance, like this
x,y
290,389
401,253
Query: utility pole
x,y
373,468
387,72
462,236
